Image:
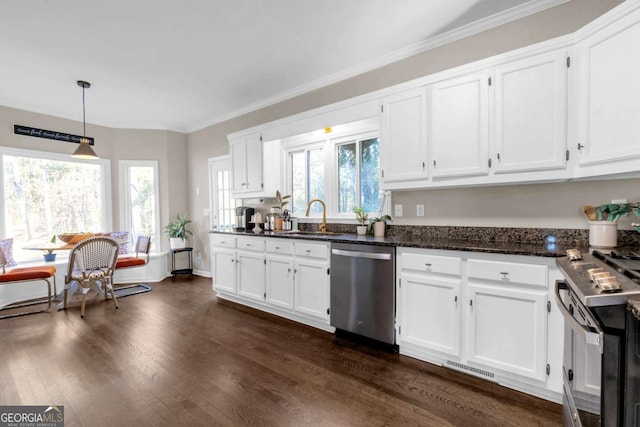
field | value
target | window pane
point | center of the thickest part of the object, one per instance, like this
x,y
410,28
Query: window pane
x,y
298,183
347,177
45,197
369,175
226,205
142,203
316,178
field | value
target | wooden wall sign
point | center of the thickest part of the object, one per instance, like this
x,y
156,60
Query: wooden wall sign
x,y
48,134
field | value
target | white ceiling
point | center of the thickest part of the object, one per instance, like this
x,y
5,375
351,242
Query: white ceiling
x,y
184,65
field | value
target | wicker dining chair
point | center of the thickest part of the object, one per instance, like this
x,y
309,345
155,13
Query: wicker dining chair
x,y
92,261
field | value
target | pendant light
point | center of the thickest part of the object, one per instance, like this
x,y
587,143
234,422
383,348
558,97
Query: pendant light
x,y
84,150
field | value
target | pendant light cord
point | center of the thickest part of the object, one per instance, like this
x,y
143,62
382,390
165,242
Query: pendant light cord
x,y
84,120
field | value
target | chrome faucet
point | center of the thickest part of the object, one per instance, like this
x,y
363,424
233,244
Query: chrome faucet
x,y
323,225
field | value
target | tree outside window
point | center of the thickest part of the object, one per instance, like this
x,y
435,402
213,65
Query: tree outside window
x,y
358,175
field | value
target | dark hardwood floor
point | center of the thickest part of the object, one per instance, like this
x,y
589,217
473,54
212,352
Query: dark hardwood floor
x,y
177,356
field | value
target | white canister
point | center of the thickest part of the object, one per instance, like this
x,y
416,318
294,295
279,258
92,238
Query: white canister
x,y
603,234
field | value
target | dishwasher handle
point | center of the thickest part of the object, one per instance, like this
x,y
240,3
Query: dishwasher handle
x,y
358,254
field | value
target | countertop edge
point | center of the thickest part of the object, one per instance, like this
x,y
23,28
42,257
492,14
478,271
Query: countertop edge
x,y
479,246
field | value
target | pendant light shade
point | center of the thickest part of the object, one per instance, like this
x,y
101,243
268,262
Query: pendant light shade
x,y
84,150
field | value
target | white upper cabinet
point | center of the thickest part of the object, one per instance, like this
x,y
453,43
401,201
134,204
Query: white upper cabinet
x,y
246,156
530,114
459,119
256,166
608,99
404,137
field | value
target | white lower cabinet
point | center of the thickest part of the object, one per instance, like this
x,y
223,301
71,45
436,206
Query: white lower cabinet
x,y
312,288
429,296
311,284
506,329
280,273
286,277
251,279
484,314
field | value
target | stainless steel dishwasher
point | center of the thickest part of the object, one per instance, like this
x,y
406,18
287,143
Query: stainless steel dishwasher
x,y
363,290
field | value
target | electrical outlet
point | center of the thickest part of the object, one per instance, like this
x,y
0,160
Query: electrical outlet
x,y
397,210
618,201
419,210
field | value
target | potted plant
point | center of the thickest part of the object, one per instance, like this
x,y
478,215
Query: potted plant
x,y
362,217
178,232
603,223
378,224
281,202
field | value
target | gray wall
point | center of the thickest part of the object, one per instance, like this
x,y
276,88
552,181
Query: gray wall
x,y
520,206
168,148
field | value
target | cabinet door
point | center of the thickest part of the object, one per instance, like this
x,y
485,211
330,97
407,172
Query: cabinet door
x,y
430,315
280,281
459,111
239,165
311,289
531,114
251,281
506,329
224,270
609,93
404,137
254,163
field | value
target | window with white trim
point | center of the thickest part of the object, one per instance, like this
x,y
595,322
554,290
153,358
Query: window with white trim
x,y
46,194
307,178
139,199
358,175
341,166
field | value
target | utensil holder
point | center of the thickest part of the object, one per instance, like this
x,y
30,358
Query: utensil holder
x,y
603,234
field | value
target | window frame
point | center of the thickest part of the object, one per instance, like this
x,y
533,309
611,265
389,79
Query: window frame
x,y
343,134
125,197
305,147
337,142
105,165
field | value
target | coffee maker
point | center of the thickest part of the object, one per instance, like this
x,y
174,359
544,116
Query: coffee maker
x,y
243,218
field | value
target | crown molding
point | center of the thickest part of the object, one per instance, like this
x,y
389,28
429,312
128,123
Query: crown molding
x,y
484,24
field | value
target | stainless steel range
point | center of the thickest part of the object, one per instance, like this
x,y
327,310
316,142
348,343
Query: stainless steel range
x,y
593,298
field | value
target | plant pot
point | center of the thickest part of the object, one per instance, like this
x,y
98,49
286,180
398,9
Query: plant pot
x,y
361,230
279,220
378,228
50,257
603,234
177,243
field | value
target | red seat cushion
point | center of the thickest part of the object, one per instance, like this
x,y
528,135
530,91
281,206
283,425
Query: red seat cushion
x,y
129,262
27,273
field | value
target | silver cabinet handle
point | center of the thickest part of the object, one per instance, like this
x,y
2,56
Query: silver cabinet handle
x,y
504,274
277,247
427,264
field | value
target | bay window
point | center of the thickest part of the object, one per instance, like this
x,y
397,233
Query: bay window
x,y
45,194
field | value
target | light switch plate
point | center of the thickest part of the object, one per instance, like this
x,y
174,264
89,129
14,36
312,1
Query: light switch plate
x,y
397,210
419,210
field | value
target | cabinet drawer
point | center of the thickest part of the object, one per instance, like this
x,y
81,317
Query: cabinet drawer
x,y
432,264
251,244
508,272
311,250
279,246
223,240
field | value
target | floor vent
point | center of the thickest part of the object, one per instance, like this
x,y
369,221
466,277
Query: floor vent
x,y
476,371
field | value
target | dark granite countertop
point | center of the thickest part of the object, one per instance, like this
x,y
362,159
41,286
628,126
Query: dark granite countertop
x,y
472,245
